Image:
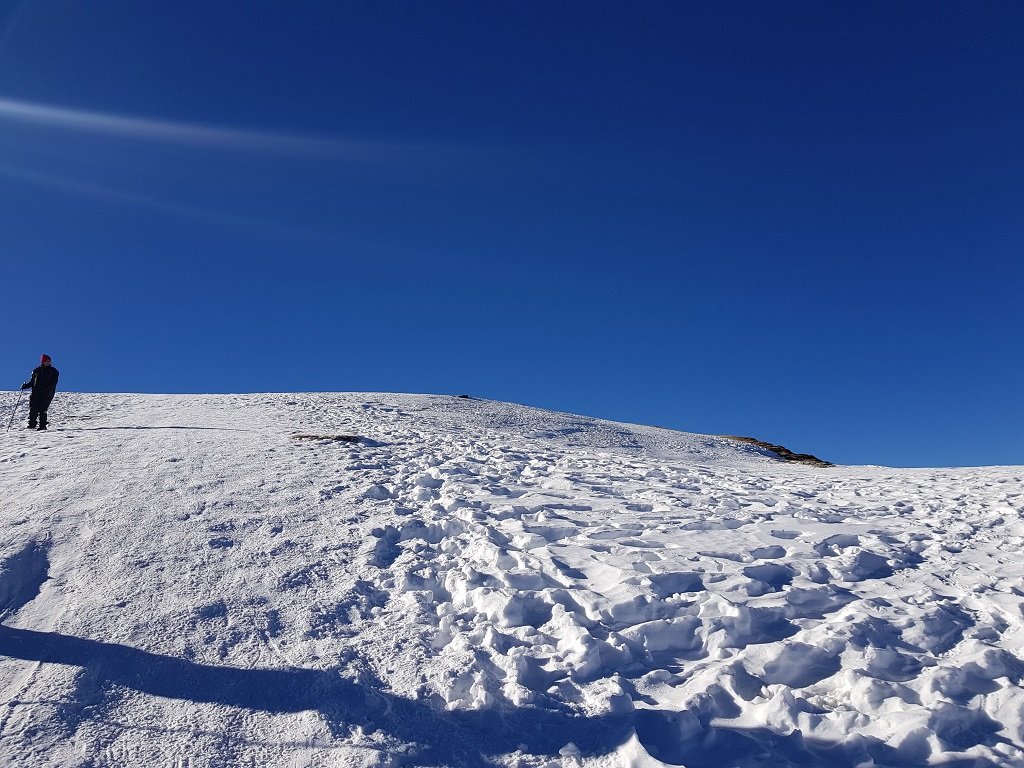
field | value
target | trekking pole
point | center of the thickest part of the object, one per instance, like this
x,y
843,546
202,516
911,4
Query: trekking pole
x,y
16,406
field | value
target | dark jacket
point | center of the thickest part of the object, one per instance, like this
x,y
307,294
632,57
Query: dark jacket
x,y
43,384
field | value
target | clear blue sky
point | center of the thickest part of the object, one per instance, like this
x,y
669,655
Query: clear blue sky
x,y
801,221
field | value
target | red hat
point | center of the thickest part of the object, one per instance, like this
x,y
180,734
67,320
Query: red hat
x,y
45,359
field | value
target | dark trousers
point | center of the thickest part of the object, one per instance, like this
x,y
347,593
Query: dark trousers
x,y
37,412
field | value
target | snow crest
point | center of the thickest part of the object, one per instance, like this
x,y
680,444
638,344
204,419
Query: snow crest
x,y
477,583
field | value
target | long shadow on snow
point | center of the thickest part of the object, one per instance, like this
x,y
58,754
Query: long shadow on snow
x,y
441,737
96,429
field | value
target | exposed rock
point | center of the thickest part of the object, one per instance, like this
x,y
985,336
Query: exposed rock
x,y
336,438
782,452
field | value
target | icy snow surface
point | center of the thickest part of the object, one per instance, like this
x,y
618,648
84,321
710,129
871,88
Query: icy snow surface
x,y
185,583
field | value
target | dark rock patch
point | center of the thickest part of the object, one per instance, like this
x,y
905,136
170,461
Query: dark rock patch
x,y
782,452
335,438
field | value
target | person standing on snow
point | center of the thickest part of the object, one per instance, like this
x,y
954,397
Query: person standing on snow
x,y
43,385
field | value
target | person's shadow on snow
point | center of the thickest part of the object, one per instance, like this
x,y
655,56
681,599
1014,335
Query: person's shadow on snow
x,y
430,735
438,737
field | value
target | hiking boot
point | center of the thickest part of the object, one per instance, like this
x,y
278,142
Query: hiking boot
x,y
32,426
41,428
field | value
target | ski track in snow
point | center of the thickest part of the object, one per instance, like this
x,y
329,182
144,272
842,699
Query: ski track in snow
x,y
183,583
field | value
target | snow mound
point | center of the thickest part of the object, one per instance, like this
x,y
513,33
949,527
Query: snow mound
x,y
467,583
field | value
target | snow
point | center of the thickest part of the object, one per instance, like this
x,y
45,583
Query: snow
x,y
185,583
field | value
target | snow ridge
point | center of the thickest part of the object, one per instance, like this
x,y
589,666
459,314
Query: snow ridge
x,y
478,583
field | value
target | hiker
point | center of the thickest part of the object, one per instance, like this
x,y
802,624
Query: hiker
x,y
43,385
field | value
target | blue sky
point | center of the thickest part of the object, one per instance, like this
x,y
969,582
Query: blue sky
x,y
798,221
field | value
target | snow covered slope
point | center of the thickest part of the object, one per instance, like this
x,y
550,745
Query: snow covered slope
x,y
183,582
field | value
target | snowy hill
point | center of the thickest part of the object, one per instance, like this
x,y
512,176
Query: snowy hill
x,y
184,582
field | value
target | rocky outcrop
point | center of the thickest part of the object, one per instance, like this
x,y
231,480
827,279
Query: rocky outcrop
x,y
782,452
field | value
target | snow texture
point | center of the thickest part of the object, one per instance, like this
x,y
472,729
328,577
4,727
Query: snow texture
x,y
184,583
